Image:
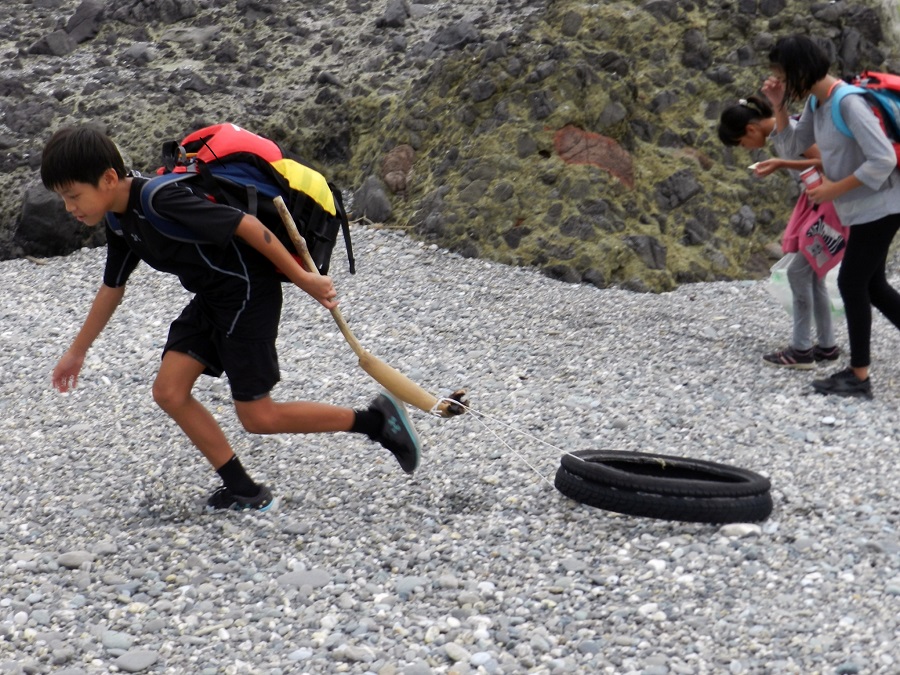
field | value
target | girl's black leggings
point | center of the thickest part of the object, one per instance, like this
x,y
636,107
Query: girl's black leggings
x,y
863,283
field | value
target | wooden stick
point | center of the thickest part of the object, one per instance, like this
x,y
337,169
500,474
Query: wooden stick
x,y
390,378
303,250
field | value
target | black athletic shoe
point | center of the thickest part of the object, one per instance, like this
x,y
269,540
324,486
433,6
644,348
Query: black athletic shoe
x,y
791,358
844,383
830,354
397,432
225,499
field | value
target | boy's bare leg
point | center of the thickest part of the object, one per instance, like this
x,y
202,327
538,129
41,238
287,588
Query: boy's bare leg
x,y
384,421
172,392
265,416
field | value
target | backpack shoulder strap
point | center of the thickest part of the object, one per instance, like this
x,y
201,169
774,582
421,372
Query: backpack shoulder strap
x,y
111,218
113,221
837,97
169,228
345,225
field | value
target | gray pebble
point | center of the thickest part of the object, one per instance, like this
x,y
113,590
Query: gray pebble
x,y
314,578
113,640
74,559
456,652
137,660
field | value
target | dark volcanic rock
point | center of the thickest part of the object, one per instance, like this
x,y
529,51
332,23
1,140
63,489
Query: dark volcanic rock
x,y
57,43
445,118
45,229
85,23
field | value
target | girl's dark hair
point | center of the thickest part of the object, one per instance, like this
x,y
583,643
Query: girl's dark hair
x,y
79,154
734,120
803,62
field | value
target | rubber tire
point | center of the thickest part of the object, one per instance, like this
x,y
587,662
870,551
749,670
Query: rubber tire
x,y
664,487
664,474
714,510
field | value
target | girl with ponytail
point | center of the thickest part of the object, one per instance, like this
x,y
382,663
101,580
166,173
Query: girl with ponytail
x,y
813,233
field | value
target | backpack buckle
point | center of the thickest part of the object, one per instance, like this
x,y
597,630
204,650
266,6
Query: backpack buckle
x,y
173,155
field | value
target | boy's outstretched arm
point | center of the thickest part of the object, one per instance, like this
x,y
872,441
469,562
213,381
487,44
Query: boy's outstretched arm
x,y
257,235
65,374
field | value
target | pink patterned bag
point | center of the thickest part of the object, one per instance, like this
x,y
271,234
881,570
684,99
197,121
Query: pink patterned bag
x,y
815,231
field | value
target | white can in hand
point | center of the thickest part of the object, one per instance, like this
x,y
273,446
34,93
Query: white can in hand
x,y
811,177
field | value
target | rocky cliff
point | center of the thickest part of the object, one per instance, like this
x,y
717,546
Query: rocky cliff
x,y
573,136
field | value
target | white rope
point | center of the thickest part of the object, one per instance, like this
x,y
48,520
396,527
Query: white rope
x,y
478,417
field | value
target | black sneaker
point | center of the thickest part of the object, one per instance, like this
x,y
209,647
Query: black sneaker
x,y
225,499
830,354
397,432
844,383
791,358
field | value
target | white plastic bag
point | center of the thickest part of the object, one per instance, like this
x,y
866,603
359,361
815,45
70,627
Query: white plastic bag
x,y
834,295
780,287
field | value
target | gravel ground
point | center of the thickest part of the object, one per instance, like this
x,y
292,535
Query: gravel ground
x,y
477,564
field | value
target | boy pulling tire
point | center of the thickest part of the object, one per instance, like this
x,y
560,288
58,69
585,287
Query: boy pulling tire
x,y
230,325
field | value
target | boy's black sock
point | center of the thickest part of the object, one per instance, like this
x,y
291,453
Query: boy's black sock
x,y
236,479
368,422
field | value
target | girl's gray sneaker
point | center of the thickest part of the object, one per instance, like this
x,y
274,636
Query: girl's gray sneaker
x,y
791,358
830,354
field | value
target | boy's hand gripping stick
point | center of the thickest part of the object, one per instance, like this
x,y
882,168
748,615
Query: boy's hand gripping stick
x,y
390,378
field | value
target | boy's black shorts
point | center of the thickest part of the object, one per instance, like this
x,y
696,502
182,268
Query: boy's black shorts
x,y
250,364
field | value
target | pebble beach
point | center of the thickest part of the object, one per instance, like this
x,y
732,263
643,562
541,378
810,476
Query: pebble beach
x,y
475,564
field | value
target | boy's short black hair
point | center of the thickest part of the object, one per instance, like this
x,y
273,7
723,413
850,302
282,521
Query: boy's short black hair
x,y
80,154
734,120
803,62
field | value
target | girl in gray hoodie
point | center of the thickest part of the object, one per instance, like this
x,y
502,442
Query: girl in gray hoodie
x,y
860,178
